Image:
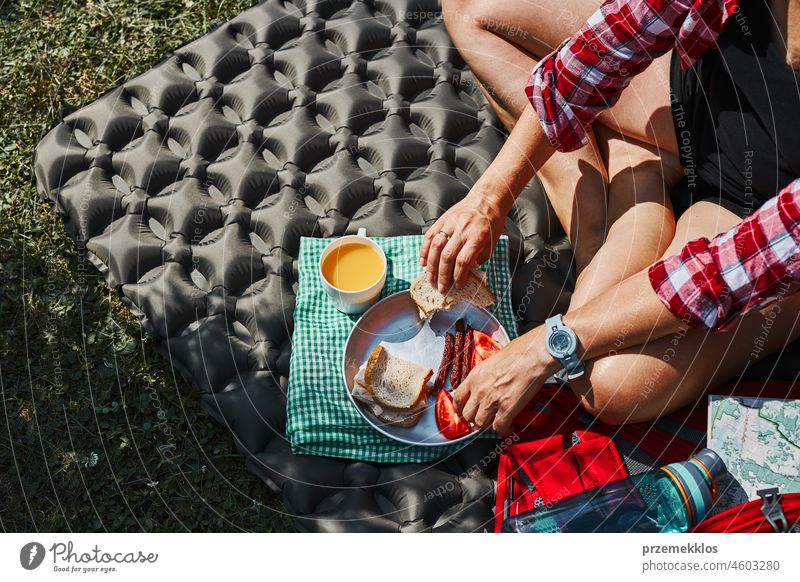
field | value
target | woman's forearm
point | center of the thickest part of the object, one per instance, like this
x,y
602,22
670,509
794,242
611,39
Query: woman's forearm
x,y
628,314
525,151
465,235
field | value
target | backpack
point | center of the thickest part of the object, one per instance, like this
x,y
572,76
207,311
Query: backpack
x,y
533,474
774,512
539,469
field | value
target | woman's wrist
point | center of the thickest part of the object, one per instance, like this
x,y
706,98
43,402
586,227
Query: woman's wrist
x,y
544,364
491,196
515,165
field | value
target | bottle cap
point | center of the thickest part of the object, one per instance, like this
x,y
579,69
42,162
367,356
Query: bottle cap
x,y
713,462
696,481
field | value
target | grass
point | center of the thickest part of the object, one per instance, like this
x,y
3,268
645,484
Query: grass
x,y
90,412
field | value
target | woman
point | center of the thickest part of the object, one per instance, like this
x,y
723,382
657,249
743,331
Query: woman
x,y
681,154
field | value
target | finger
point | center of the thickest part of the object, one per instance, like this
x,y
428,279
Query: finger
x,y
465,262
427,239
461,396
447,261
470,409
438,243
502,423
486,415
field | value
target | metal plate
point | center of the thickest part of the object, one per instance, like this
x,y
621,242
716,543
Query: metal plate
x,y
394,321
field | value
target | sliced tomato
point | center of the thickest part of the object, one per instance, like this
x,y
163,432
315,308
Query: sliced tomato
x,y
450,423
485,346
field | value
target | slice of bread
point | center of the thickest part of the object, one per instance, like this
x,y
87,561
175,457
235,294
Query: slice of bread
x,y
395,383
405,418
429,300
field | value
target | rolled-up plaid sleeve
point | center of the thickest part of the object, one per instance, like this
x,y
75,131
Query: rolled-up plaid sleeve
x,y
588,72
709,284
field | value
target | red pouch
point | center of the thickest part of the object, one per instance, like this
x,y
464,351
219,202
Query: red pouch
x,y
534,473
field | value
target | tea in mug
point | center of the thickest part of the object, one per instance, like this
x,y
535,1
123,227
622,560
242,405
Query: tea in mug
x,y
352,267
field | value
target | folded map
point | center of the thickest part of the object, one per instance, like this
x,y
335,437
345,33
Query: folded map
x,y
759,440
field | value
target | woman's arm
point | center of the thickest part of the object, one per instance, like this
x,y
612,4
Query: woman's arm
x,y
567,90
499,388
475,223
708,285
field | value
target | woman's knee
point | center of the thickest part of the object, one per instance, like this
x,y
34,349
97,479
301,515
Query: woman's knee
x,y
608,391
465,16
454,12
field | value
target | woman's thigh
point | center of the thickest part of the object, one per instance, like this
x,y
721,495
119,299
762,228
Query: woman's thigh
x,y
643,111
502,40
538,26
648,381
641,223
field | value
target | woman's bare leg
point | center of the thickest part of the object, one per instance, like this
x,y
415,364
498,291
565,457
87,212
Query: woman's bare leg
x,y
646,382
540,26
640,217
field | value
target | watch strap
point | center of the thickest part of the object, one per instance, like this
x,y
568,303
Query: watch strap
x,y
573,365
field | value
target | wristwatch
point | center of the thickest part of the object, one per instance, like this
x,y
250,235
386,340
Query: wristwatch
x,y
562,343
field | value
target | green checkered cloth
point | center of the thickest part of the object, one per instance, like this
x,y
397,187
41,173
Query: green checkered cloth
x,y
321,419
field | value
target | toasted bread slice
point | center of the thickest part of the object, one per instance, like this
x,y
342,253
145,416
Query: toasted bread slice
x,y
404,418
395,383
429,300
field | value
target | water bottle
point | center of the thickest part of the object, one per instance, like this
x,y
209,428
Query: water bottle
x,y
670,499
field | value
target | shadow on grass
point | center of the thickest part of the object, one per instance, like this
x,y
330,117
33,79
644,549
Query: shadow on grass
x,y
97,432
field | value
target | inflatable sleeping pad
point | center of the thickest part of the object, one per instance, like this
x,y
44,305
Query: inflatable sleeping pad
x,y
190,186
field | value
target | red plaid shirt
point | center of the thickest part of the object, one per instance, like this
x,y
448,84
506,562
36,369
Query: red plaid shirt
x,y
755,263
709,283
589,71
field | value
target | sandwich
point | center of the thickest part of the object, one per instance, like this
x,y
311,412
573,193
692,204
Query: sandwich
x,y
429,300
392,389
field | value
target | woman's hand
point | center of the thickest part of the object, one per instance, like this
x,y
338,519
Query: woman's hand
x,y
473,226
498,388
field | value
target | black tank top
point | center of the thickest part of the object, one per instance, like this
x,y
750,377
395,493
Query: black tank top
x,y
737,117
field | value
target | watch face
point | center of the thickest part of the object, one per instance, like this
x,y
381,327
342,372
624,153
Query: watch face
x,y
561,342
